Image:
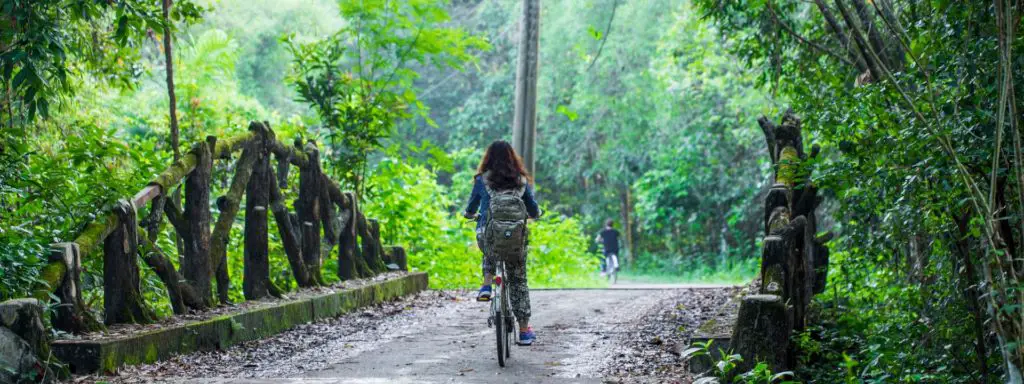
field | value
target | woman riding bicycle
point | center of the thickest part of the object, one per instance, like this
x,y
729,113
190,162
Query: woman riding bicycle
x,y
502,171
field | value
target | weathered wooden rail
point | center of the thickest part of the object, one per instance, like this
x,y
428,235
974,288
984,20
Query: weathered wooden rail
x,y
325,217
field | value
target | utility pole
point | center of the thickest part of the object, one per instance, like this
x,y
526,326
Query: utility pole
x,y
524,122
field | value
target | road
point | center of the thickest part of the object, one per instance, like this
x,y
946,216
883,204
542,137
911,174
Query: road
x,y
439,337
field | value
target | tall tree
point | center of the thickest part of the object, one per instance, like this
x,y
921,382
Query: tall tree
x,y
169,65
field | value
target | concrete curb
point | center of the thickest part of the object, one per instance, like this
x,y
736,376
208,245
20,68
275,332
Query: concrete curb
x,y
105,356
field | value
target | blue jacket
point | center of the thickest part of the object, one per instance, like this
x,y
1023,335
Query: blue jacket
x,y
479,199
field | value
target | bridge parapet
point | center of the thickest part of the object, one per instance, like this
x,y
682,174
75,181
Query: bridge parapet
x,y
325,217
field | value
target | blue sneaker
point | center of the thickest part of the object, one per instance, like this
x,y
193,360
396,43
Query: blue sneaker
x,y
527,338
484,294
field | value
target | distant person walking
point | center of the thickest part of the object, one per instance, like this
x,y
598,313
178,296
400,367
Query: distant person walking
x,y
609,239
501,174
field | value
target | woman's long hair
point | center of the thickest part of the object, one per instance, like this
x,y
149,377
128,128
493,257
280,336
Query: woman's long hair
x,y
505,168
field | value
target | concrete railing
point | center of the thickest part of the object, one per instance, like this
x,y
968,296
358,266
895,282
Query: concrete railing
x,y
325,217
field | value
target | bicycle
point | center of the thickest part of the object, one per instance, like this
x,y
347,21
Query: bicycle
x,y
500,317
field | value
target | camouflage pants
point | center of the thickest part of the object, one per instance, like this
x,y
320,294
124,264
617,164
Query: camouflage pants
x,y
515,279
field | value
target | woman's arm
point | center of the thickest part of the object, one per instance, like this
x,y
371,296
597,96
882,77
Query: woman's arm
x,y
475,197
532,208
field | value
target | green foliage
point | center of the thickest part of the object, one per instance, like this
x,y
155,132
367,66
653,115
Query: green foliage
x,y
263,60
915,121
359,81
413,212
735,269
558,256
417,212
866,329
725,368
77,167
51,49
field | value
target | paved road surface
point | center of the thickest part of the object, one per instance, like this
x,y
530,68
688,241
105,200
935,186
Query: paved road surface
x,y
579,332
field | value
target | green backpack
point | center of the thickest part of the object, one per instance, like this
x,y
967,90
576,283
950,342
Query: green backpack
x,y
505,230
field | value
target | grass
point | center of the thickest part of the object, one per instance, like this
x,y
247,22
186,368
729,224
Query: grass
x,y
739,272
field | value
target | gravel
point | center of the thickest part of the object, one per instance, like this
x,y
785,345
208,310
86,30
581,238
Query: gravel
x,y
650,352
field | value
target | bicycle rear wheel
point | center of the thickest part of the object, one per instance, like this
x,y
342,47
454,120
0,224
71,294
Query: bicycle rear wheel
x,y
508,341
508,320
500,310
502,337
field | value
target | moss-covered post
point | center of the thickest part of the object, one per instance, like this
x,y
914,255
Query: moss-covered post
x,y
396,255
308,207
228,206
378,243
122,294
347,241
773,265
762,332
72,315
256,282
179,292
291,240
369,245
195,263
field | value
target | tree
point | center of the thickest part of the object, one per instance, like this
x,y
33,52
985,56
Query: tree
x,y
358,79
169,65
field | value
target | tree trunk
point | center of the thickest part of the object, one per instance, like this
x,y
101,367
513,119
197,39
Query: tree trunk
x,y
865,49
627,223
968,283
844,41
868,21
789,262
196,263
773,265
122,294
524,122
169,65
